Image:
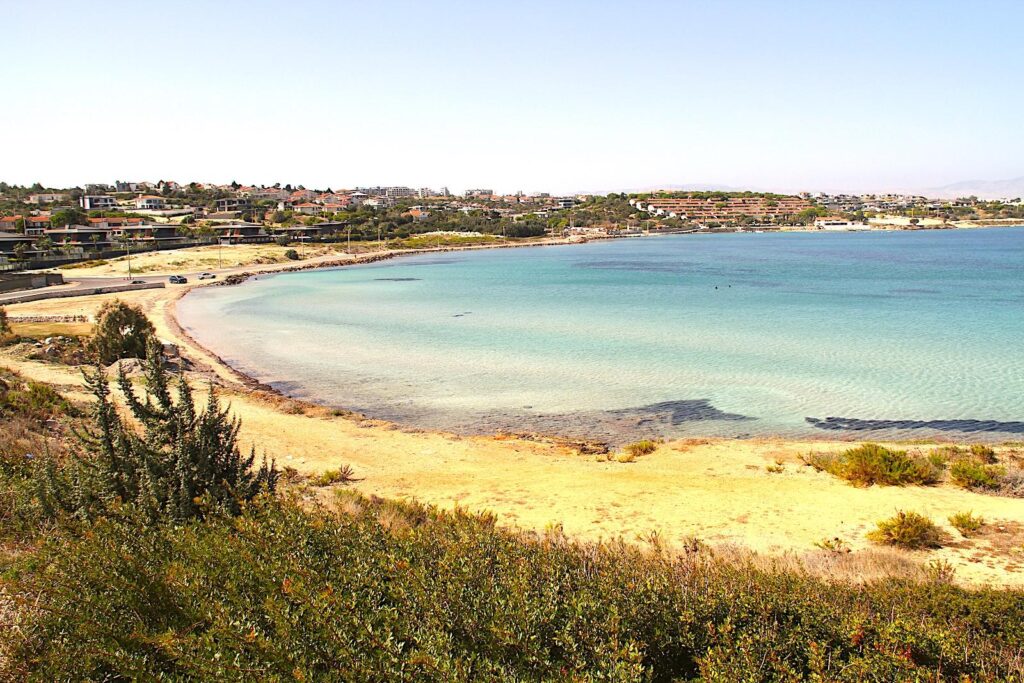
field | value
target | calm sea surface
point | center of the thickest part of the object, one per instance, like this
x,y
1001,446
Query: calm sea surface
x,y
873,335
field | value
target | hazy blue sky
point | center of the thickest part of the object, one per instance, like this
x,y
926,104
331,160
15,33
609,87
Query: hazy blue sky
x,y
529,95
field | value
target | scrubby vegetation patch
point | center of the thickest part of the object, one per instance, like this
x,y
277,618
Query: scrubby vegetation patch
x,y
908,530
870,464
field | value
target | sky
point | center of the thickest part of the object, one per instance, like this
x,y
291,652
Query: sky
x,y
568,96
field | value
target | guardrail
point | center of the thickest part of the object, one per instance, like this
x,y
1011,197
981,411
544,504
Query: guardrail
x,y
37,295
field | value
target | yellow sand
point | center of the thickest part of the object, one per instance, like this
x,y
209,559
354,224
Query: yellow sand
x,y
719,491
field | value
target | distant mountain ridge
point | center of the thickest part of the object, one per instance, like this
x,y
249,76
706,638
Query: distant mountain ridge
x,y
983,189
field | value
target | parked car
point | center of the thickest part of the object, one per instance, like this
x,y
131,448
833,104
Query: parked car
x,y
207,276
177,280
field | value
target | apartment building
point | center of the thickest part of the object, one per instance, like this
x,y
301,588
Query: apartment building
x,y
229,204
97,202
724,208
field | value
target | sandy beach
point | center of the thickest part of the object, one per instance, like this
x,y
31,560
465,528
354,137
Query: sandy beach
x,y
719,491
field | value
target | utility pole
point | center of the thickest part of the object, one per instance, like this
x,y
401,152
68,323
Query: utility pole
x,y
128,253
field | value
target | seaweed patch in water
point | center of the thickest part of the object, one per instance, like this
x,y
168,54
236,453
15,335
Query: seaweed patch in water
x,y
853,424
680,412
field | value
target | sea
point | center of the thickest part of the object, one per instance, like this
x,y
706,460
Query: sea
x,y
848,335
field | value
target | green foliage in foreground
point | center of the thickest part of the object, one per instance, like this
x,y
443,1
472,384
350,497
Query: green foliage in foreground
x,y
396,592
873,464
183,461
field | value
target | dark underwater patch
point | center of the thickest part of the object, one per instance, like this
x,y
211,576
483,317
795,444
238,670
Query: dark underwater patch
x,y
852,424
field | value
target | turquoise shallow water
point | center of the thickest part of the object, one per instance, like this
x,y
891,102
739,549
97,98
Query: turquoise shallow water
x,y
902,334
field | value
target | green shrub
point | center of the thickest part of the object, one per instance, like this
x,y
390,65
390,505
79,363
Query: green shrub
x,y
907,530
983,453
971,474
873,464
286,592
184,462
122,331
939,458
291,255
5,325
966,523
32,400
643,447
342,475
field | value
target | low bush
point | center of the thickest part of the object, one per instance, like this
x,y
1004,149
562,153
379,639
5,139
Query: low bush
x,y
5,325
289,592
907,530
873,464
966,523
32,400
643,447
1012,483
983,453
971,474
291,255
342,475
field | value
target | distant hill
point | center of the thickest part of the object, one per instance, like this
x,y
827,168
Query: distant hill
x,y
983,189
693,187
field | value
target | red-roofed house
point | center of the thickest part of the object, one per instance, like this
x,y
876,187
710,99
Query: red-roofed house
x,y
113,222
9,223
34,225
308,209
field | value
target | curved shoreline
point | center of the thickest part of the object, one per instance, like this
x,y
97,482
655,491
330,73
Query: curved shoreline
x,y
822,428
753,492
387,255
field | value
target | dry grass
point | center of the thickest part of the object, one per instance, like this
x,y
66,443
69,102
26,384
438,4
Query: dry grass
x,y
44,330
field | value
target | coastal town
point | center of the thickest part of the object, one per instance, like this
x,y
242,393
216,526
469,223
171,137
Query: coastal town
x,y
41,227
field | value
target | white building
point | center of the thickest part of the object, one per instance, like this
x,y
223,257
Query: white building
x,y
838,224
149,201
91,202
